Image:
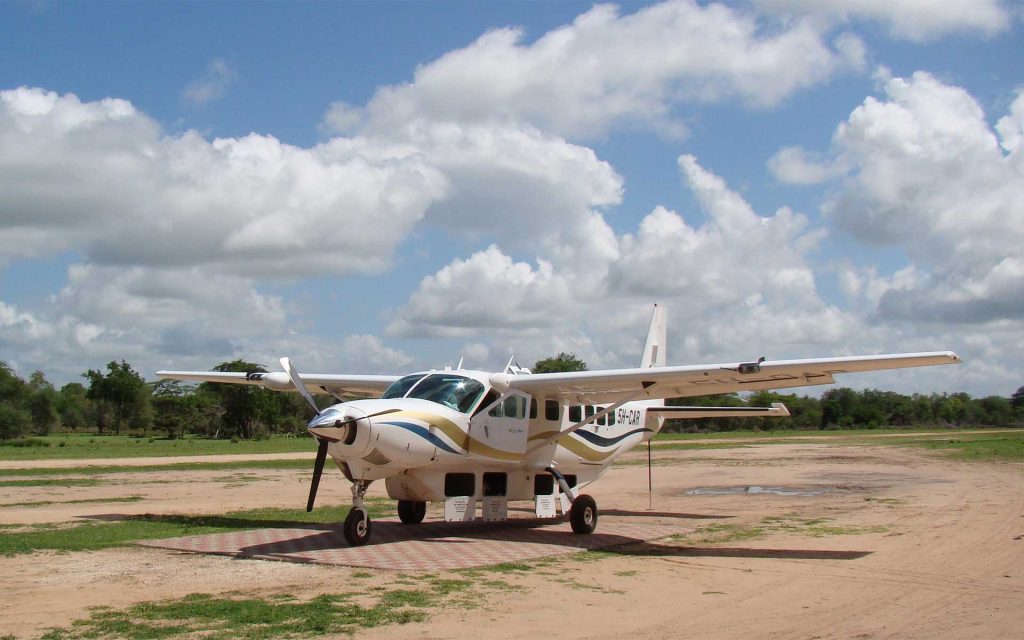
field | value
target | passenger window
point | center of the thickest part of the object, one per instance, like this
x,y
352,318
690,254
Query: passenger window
x,y
603,420
611,419
575,413
589,411
510,407
533,409
552,411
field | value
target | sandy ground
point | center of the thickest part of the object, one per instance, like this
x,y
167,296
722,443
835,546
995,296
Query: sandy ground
x,y
908,546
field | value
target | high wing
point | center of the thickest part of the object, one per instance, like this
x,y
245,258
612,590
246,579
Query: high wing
x,y
337,385
620,385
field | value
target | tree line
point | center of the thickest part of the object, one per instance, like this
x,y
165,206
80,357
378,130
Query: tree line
x,y
119,400
845,408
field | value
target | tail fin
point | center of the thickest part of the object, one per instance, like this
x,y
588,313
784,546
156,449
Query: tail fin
x,y
657,336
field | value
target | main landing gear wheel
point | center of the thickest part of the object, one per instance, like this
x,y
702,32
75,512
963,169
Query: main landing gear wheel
x,y
357,528
583,514
411,511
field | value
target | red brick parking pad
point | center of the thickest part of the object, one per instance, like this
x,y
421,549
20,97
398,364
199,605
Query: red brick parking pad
x,y
424,547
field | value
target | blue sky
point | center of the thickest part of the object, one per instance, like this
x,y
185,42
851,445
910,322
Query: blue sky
x,y
376,187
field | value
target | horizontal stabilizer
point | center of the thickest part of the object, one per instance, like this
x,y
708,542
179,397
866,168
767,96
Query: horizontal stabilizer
x,y
777,410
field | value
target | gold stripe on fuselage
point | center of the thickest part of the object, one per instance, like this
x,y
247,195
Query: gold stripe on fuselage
x,y
575,445
460,437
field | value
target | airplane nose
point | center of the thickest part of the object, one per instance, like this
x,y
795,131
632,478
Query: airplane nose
x,y
337,424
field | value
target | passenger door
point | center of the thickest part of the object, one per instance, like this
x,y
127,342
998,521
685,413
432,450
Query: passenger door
x,y
499,430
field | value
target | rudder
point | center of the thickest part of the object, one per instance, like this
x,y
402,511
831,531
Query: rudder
x,y
657,337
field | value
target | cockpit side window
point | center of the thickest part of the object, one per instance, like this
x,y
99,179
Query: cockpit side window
x,y
400,387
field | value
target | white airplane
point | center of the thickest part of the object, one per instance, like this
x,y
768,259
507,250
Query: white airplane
x,y
464,436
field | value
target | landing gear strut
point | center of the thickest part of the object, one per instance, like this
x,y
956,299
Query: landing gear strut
x,y
357,524
583,513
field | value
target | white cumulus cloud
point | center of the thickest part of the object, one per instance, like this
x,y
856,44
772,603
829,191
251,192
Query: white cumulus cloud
x,y
915,20
930,175
607,68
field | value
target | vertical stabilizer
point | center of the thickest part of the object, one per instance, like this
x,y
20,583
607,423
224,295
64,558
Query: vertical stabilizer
x,y
657,336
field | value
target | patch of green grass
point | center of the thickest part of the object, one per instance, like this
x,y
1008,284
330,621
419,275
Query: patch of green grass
x,y
592,555
716,533
789,523
76,446
886,501
445,586
217,618
42,503
981,447
92,536
506,567
657,461
695,446
94,470
407,598
52,482
785,433
272,616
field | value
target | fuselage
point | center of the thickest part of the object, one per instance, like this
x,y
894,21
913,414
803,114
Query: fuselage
x,y
434,435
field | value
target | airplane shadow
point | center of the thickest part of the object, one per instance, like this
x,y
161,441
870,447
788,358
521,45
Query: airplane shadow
x,y
330,537
662,514
210,521
533,531
643,513
666,550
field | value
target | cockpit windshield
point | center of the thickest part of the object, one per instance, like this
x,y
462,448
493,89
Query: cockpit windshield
x,y
453,391
400,387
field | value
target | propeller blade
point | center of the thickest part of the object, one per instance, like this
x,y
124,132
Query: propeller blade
x,y
286,364
318,469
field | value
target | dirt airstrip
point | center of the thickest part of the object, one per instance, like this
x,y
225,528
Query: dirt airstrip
x,y
809,540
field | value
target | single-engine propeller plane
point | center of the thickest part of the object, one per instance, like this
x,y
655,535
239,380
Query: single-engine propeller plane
x,y
464,436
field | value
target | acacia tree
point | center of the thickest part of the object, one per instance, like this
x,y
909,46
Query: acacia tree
x,y
243,406
14,418
73,406
562,362
121,387
42,404
1017,402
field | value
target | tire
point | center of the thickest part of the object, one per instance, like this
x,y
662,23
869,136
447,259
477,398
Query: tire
x,y
411,511
357,530
583,514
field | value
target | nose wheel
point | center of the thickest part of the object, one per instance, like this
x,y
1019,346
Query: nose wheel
x,y
357,524
357,527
